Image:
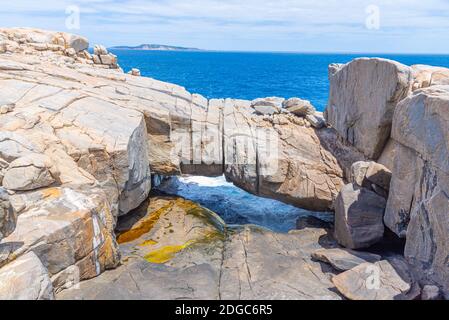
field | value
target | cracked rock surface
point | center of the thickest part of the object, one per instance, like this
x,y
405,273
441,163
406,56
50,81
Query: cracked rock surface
x,y
175,249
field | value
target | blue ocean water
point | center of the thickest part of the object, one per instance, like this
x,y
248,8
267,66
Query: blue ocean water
x,y
238,207
244,75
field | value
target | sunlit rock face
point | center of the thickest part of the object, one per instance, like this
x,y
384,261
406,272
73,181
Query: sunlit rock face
x,y
363,96
370,98
69,231
418,206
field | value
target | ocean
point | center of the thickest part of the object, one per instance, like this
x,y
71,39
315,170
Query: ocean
x,y
244,75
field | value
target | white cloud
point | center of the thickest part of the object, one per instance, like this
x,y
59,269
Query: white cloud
x,y
292,25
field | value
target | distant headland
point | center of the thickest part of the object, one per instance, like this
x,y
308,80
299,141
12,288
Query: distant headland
x,y
154,47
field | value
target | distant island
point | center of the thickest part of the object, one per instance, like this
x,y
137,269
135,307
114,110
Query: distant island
x,y
154,47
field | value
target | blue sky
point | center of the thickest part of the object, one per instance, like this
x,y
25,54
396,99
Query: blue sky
x,y
405,26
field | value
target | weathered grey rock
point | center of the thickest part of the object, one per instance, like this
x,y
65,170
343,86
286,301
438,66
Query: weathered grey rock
x,y
344,153
270,101
419,201
30,172
163,125
70,52
358,173
316,121
65,229
312,222
426,247
7,215
382,280
266,109
359,217
281,160
365,174
96,59
379,175
259,264
76,42
344,259
430,293
406,176
426,76
100,50
361,112
299,107
388,155
135,72
38,38
6,108
420,124
108,59
25,279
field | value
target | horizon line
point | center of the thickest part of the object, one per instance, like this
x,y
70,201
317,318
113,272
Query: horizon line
x,y
284,52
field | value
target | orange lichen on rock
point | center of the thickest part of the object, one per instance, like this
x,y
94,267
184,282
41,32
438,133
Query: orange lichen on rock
x,y
143,226
51,193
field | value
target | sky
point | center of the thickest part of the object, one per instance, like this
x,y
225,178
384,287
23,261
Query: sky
x,y
359,26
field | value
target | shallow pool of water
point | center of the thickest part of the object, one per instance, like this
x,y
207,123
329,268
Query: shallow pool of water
x,y
236,206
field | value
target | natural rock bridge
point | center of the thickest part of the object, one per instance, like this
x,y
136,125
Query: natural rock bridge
x,y
80,141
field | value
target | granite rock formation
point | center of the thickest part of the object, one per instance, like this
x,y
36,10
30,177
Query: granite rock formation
x,y
80,140
371,98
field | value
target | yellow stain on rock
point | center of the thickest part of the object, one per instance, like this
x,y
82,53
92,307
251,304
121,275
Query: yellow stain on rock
x,y
148,243
165,254
144,226
214,230
51,193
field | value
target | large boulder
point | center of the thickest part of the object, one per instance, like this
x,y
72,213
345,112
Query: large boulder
x,y
37,37
359,216
363,96
407,171
383,280
299,107
30,172
275,102
67,229
281,159
430,293
371,175
7,215
379,175
419,203
25,279
344,259
266,110
420,124
425,76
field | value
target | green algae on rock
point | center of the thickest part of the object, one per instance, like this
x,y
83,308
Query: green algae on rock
x,y
164,226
